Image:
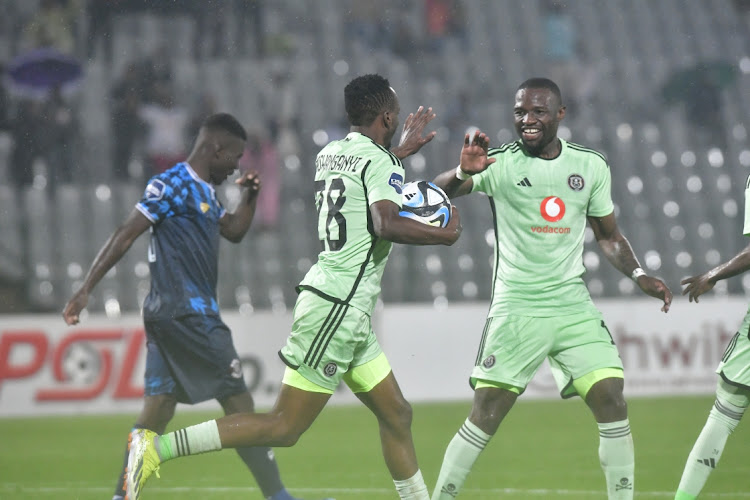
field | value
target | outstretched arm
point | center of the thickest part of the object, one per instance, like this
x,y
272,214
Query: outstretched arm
x,y
411,138
389,225
698,285
109,255
618,251
234,226
457,181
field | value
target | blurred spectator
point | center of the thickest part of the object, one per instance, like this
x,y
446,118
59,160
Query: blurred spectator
x,y
280,100
402,39
563,61
460,115
250,15
561,49
261,156
58,137
703,107
444,19
99,14
4,102
365,23
155,74
125,101
206,107
25,126
53,25
210,28
166,121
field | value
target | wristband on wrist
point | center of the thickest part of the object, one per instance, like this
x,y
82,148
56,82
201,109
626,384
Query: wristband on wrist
x,y
460,174
637,272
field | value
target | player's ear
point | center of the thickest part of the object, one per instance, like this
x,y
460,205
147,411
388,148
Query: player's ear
x,y
387,117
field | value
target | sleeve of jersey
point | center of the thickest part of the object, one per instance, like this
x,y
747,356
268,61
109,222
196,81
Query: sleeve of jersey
x,y
746,228
601,203
158,200
484,182
384,180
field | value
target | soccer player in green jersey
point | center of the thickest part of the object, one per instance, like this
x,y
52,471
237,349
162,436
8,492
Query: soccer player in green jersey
x,y
358,185
542,191
733,388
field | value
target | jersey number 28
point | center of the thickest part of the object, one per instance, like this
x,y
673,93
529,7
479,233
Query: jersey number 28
x,y
333,196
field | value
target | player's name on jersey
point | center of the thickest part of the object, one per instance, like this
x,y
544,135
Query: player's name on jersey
x,y
340,163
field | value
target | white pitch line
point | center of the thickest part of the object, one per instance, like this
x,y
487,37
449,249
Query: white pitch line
x,y
534,492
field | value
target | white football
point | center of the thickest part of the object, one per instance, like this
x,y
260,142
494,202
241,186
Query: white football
x,y
425,202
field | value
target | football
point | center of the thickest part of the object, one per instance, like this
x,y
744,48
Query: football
x,y
425,202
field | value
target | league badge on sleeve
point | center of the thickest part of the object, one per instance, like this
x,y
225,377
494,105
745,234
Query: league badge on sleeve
x,y
155,190
397,182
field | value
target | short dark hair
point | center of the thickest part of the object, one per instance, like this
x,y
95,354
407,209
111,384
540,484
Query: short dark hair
x,y
542,83
366,97
225,122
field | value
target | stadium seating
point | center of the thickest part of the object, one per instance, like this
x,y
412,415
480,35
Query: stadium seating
x,y
679,202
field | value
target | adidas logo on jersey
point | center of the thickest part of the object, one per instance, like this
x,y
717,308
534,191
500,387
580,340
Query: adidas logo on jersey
x,y
524,183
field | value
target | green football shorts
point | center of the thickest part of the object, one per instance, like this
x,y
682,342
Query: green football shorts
x,y
513,348
330,339
734,367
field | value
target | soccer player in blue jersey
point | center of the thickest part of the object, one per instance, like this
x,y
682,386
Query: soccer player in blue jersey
x,y
190,355
543,191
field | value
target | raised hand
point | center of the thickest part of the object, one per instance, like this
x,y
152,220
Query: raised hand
x,y
251,181
411,138
474,153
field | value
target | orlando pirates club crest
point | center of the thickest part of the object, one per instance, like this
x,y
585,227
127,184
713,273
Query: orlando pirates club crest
x,y
575,182
330,369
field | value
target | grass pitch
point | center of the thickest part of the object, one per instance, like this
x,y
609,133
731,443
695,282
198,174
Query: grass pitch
x,y
544,449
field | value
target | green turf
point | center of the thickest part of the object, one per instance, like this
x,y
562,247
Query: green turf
x,y
544,449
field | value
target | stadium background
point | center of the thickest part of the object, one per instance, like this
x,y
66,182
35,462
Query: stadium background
x,y
677,145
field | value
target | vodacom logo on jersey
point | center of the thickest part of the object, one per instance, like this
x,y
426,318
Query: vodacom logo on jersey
x,y
552,210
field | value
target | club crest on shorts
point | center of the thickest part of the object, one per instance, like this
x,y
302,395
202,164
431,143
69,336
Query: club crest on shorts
x,y
235,368
575,182
330,369
489,362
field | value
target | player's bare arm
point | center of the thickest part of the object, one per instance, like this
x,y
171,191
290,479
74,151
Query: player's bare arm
x,y
109,255
618,251
234,226
457,181
389,225
412,139
698,285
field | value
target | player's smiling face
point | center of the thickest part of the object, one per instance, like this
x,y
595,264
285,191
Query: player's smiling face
x,y
226,160
537,114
